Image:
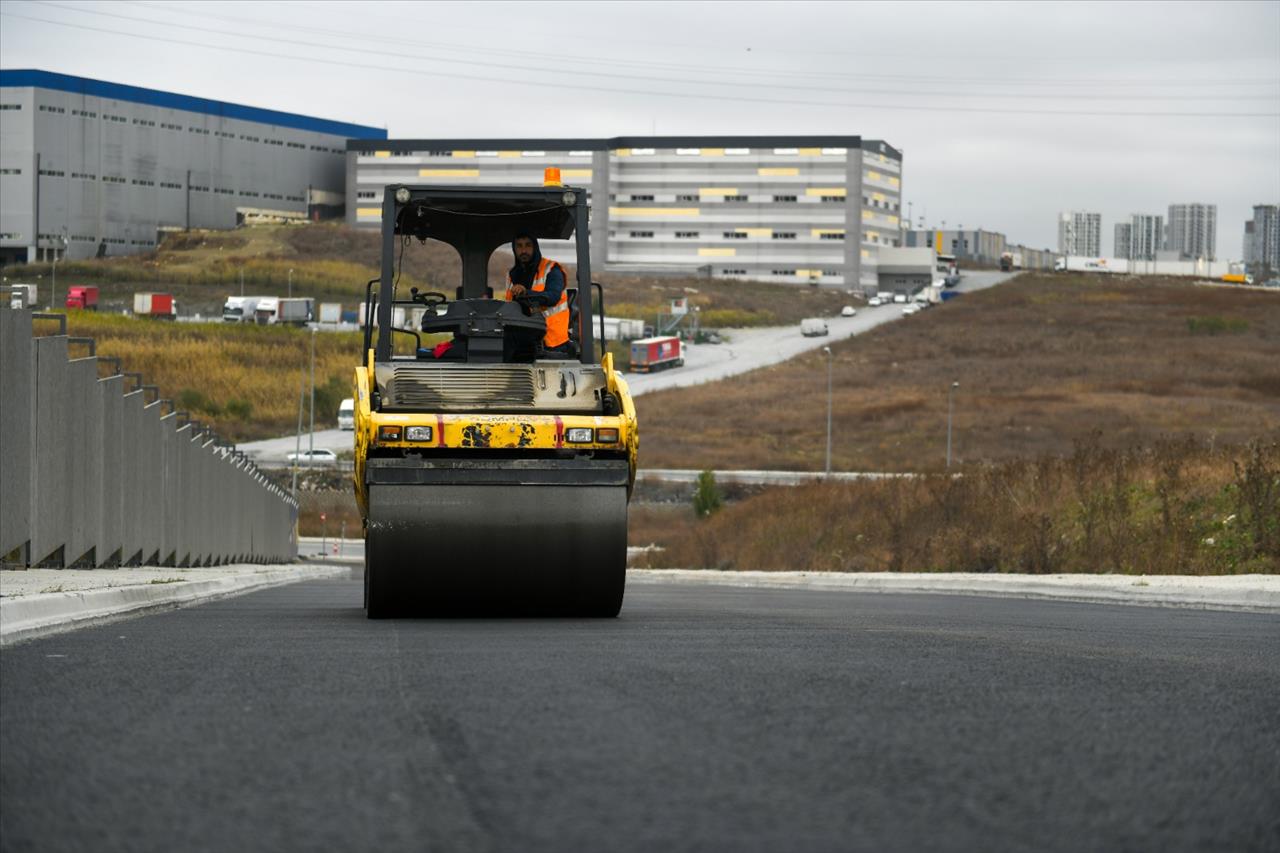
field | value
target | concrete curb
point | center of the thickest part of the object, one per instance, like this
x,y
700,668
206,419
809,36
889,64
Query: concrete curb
x,y
29,616
1258,593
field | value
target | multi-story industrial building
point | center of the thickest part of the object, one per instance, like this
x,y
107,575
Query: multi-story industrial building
x,y
94,168
971,245
1080,233
1124,240
1193,231
1262,240
812,209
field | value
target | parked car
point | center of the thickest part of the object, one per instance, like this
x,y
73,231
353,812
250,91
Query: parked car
x,y
875,302
347,414
900,298
320,456
913,308
847,311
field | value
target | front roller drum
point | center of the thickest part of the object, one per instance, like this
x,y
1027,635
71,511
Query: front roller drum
x,y
495,549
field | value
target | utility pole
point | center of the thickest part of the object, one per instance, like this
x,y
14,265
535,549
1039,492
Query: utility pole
x,y
290,284
297,440
950,394
242,282
827,350
311,439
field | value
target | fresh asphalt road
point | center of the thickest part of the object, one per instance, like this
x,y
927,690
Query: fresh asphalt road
x,y
704,718
746,349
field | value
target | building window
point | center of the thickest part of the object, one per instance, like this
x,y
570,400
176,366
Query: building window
x,y
112,179
170,185
686,235
10,171
733,272
735,198
642,198
641,234
300,145
53,173
830,199
782,272
144,122
786,151
827,235
84,114
784,235
167,126
84,176
48,109
641,152
118,119
688,198
784,198
10,106
735,235
367,194
832,272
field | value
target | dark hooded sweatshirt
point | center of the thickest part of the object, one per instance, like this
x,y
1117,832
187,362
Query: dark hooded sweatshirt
x,y
525,273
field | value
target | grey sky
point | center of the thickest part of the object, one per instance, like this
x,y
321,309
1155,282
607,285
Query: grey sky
x,y
994,135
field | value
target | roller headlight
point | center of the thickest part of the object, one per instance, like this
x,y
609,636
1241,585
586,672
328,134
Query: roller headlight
x,y
402,195
417,433
578,435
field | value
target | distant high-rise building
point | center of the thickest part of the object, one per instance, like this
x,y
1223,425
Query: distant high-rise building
x,y
1146,236
1124,239
1080,233
1193,230
1262,239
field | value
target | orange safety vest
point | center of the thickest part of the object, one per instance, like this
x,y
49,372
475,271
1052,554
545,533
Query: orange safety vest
x,y
557,316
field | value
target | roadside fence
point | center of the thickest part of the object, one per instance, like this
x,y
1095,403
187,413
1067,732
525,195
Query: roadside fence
x,y
98,471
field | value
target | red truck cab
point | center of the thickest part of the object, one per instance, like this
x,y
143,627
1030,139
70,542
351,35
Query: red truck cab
x,y
83,297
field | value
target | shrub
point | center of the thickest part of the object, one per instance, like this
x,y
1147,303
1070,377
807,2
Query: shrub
x,y
1217,326
707,498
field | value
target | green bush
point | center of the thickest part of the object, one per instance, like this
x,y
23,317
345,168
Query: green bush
x,y
707,498
1216,326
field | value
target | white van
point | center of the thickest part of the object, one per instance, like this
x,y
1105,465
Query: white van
x,y
813,327
347,414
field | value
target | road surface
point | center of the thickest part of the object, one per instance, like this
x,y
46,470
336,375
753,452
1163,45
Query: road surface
x,y
747,349
702,719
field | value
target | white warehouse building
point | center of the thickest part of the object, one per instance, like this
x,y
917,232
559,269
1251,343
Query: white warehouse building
x,y
793,209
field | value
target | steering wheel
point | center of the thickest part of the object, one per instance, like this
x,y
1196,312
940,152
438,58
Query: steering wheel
x,y
528,301
429,298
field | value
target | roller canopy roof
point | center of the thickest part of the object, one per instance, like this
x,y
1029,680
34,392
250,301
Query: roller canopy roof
x,y
485,217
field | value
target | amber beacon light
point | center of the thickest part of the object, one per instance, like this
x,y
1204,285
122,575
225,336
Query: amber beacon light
x,y
551,177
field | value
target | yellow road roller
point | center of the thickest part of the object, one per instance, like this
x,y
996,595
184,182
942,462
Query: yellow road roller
x,y
492,471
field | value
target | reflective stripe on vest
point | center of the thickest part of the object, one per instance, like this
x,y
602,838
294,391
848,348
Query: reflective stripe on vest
x,y
557,316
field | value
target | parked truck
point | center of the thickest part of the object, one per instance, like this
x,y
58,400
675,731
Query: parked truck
x,y
1237,278
22,296
241,309
652,354
331,313
84,297
1010,261
623,329
1077,263
161,306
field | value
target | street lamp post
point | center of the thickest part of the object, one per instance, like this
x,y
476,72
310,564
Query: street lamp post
x,y
950,393
827,350
311,439
290,284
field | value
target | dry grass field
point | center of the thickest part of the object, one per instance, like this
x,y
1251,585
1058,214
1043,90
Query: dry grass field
x,y
1043,362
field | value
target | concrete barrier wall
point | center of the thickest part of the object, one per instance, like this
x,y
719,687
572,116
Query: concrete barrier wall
x,y
93,475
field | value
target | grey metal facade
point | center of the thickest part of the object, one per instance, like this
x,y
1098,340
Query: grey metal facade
x,y
88,166
969,244
797,209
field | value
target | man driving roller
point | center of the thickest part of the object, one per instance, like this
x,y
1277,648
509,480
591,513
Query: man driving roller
x,y
541,282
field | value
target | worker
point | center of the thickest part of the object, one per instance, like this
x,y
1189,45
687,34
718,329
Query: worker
x,y
541,283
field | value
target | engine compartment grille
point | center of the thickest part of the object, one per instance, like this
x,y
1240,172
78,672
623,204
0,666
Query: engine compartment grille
x,y
444,386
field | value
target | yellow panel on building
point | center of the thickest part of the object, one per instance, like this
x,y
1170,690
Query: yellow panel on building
x,y
866,214
712,152
755,232
466,155
639,212
575,173
875,176
809,273
878,196
810,152
368,211
895,181
622,152
717,190
777,171
717,253
832,191
865,254
382,154
448,173
508,154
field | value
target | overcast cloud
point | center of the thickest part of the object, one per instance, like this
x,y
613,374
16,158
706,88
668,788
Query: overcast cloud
x,y
1006,113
